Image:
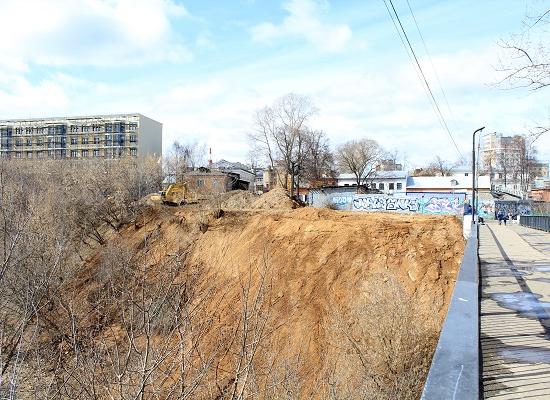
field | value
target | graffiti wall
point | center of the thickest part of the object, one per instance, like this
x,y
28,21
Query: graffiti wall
x,y
514,207
439,203
425,203
384,203
486,209
338,198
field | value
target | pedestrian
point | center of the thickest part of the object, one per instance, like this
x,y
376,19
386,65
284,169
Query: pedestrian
x,y
500,217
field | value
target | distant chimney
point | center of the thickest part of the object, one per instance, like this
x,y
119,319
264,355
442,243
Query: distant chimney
x,y
210,159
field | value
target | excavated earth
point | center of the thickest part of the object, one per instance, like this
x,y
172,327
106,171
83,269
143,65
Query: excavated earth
x,y
317,260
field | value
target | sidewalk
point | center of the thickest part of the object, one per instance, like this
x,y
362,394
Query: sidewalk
x,y
515,312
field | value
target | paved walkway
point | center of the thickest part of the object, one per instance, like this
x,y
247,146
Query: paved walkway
x,y
515,312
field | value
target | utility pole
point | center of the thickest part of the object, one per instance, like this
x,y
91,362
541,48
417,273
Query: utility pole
x,y
474,174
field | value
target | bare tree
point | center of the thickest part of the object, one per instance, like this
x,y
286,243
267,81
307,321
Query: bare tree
x,y
442,167
280,133
385,344
184,157
523,161
359,157
526,59
437,167
527,62
319,160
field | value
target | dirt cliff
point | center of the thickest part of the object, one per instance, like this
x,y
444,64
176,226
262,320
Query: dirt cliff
x,y
309,265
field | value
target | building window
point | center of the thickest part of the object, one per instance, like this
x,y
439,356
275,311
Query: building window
x,y
96,153
74,140
133,152
29,142
381,186
465,174
200,183
391,186
40,142
29,154
399,186
133,138
18,154
84,153
96,139
18,142
84,140
74,154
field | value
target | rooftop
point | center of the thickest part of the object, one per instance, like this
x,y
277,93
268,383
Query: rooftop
x,y
81,117
379,175
454,182
224,164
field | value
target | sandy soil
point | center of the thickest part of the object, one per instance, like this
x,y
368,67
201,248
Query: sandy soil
x,y
318,261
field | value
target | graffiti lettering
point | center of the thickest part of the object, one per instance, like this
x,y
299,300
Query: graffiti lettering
x,y
341,200
401,204
384,203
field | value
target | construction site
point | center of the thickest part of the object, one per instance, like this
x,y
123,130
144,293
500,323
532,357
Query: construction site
x,y
183,295
279,298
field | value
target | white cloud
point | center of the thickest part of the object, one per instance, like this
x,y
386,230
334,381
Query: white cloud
x,y
204,40
91,32
387,105
303,21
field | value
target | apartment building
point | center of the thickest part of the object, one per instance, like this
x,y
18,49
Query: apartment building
x,y
96,136
500,154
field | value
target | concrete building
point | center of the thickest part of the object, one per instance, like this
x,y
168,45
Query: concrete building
x,y
387,182
540,169
244,173
96,136
460,183
388,165
205,182
500,152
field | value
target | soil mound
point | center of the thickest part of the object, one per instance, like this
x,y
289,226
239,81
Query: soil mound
x,y
298,271
239,199
275,199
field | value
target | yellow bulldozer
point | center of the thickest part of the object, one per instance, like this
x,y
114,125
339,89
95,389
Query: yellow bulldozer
x,y
177,194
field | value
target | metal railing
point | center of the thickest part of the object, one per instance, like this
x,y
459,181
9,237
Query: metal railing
x,y
541,222
454,373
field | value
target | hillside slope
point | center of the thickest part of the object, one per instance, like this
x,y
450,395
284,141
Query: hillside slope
x,y
271,291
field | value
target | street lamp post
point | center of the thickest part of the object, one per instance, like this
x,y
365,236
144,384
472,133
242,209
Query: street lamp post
x,y
474,174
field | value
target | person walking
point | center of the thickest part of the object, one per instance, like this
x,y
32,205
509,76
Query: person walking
x,y
500,217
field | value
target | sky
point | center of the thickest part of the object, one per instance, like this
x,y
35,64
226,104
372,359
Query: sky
x,y
203,67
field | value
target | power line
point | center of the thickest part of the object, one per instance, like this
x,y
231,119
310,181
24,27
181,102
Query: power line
x,y
431,61
407,51
424,79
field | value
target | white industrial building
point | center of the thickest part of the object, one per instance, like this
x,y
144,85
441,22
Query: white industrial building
x,y
387,182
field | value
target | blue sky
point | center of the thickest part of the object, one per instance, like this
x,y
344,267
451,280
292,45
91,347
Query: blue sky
x,y
202,67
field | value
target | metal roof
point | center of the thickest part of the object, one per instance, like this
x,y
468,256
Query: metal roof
x,y
378,175
445,182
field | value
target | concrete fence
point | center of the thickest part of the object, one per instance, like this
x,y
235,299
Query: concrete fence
x,y
454,373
